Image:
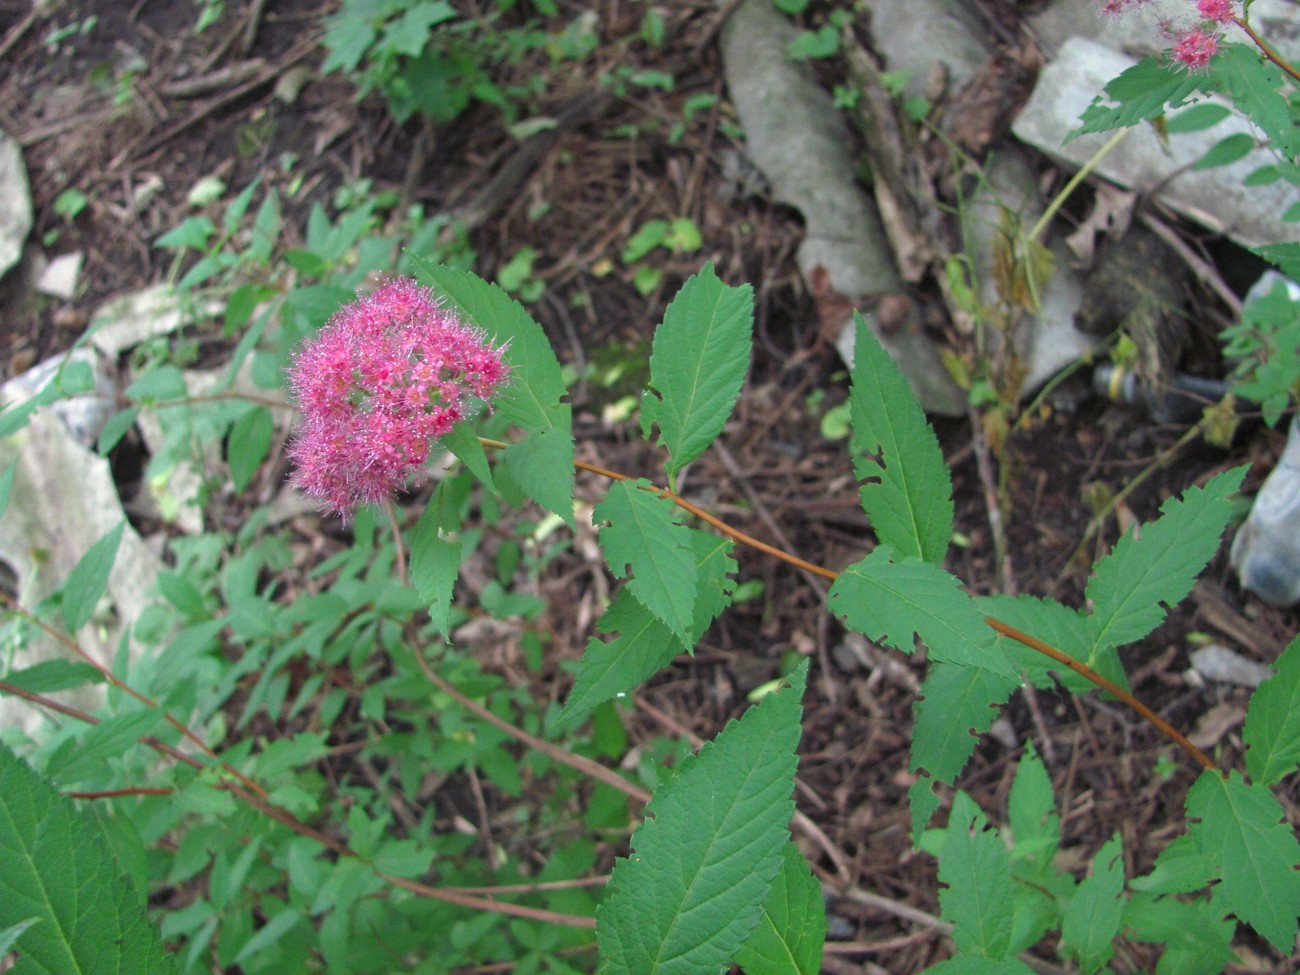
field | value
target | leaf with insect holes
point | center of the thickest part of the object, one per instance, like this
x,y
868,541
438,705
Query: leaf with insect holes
x,y
1140,92
1272,731
907,490
977,894
697,365
641,533
59,868
1130,586
704,860
1243,830
436,557
792,928
898,601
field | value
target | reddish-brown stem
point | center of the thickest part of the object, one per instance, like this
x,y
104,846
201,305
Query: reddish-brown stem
x,y
1263,45
287,819
117,793
1109,686
1080,668
125,688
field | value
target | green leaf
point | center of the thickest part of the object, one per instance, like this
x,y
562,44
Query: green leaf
x,y
957,704
435,559
7,486
88,579
542,464
536,386
115,429
10,935
1243,829
54,675
642,647
58,869
250,439
1092,916
1130,584
641,532
1285,256
907,490
1140,92
1179,869
966,965
977,894
792,928
1031,809
891,601
1060,626
1195,936
697,365
1256,88
1200,116
1226,151
717,582
703,861
1272,732
108,739
465,444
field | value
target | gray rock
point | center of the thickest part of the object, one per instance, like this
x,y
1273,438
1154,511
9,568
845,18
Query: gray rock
x,y
15,203
1266,549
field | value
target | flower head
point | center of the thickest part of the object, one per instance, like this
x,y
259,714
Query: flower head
x,y
1219,11
1195,48
387,375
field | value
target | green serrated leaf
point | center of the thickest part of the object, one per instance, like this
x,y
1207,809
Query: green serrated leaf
x,y
1256,87
642,647
697,366
956,705
1129,586
792,928
893,601
1179,869
1140,92
542,465
976,893
907,492
58,869
641,532
250,439
717,583
435,560
1272,732
1092,916
107,739
1060,626
536,384
1031,808
703,861
115,429
1243,830
966,965
1195,936
88,579
465,444
54,675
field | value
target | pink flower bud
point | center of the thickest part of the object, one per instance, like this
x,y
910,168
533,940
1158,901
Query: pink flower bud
x,y
387,375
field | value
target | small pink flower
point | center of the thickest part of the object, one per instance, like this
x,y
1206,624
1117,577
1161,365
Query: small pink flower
x,y
1195,48
386,376
1220,11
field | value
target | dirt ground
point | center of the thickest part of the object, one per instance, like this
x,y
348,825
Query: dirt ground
x,y
136,158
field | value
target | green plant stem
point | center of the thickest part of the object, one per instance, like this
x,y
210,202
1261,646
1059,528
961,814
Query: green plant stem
x,y
1059,200
1080,668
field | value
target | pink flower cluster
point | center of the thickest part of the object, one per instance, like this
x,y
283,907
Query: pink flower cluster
x,y
386,376
1195,45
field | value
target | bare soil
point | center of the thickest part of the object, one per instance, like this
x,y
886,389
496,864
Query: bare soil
x,y
136,150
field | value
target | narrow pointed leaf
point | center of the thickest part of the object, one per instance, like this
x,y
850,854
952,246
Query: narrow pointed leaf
x,y
893,601
1243,830
641,533
1092,916
542,464
58,868
1131,585
704,860
907,490
977,895
88,579
792,928
697,365
1272,730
